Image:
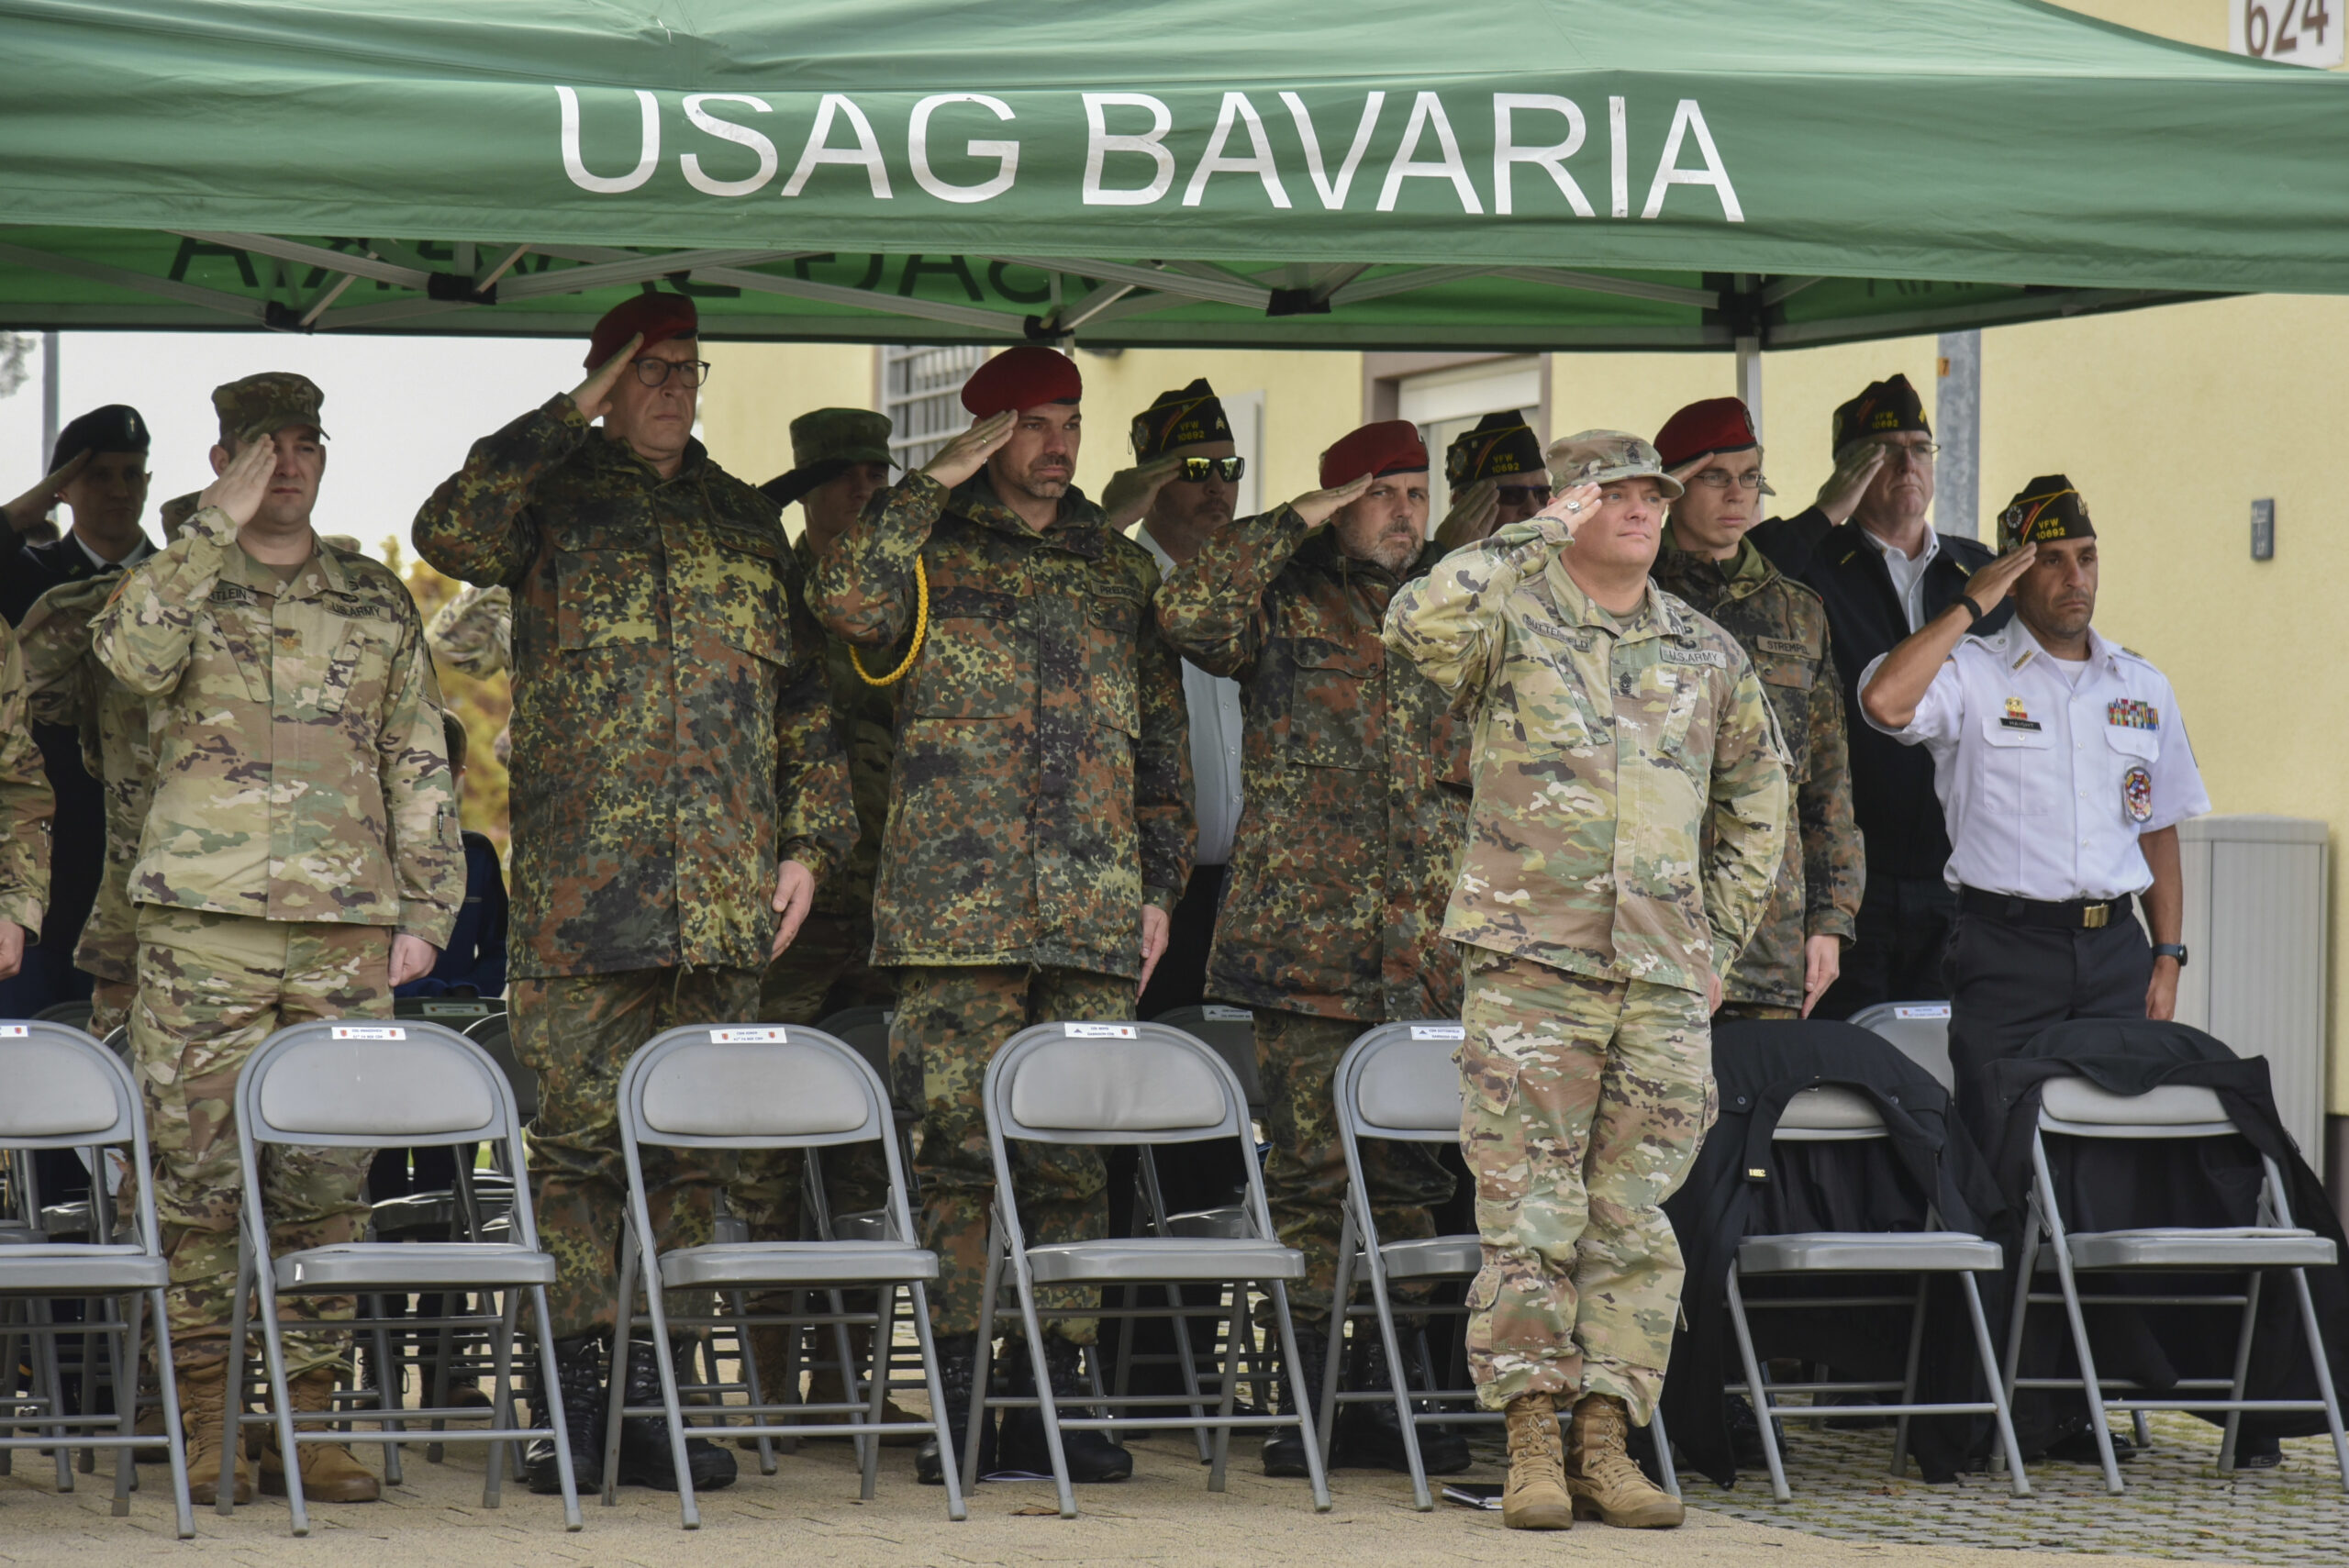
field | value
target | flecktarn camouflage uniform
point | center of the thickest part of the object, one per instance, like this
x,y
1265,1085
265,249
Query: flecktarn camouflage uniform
x,y
301,815
672,741
65,684
1039,795
26,803
1355,784
1782,626
1594,918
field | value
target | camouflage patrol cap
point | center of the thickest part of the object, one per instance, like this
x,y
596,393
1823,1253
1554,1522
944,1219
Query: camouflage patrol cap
x,y
265,403
1603,457
824,443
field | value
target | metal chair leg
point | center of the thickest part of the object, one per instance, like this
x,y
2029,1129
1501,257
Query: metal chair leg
x,y
950,1471
2004,1414
1758,1391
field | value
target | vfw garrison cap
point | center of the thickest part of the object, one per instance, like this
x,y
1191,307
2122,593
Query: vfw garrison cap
x,y
2045,510
1604,457
1887,407
265,403
117,428
1026,377
660,317
1378,449
826,442
1180,418
1502,447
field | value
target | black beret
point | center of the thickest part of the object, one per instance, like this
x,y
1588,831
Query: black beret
x,y
117,428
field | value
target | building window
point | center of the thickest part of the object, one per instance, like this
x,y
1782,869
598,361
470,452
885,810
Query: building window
x,y
920,392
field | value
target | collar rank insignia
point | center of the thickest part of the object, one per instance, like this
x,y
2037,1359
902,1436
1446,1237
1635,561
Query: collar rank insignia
x,y
2127,712
2016,717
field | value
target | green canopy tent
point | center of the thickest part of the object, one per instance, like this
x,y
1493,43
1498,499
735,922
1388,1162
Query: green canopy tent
x,y
1529,174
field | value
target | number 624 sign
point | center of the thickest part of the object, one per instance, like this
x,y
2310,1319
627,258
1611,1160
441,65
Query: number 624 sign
x,y
2297,32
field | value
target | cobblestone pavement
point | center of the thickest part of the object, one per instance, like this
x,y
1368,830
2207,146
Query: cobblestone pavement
x,y
2177,1504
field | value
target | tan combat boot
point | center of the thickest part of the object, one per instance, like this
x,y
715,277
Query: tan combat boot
x,y
1535,1496
771,1343
330,1473
1601,1475
204,1398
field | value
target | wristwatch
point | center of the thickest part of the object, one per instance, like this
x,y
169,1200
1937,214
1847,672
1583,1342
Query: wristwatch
x,y
2171,949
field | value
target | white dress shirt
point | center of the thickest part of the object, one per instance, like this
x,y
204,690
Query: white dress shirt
x,y
1908,576
2043,780
1214,703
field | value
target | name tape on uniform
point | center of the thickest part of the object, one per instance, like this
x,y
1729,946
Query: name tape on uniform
x,y
16,1031
770,1034
1931,1010
356,1031
1439,1031
1099,1032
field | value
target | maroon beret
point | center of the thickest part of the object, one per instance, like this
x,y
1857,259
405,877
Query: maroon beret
x,y
1026,377
660,317
1388,446
1715,424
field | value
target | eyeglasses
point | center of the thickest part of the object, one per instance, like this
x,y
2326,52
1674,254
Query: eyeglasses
x,y
1722,479
652,372
1197,469
1920,455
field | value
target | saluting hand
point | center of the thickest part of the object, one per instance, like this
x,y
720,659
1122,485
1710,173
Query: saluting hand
x,y
1473,512
1320,506
594,395
1571,509
1131,492
1990,586
968,452
33,505
243,483
1854,471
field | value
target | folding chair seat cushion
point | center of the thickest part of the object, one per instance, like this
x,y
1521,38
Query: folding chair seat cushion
x,y
1868,1251
1435,1257
811,1263
2246,1247
1226,1223
396,1265
1151,1258
43,1267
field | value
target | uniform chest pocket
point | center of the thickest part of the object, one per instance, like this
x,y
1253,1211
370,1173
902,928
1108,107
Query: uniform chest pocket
x,y
735,589
1111,626
1543,700
606,574
974,658
1662,700
2129,751
2017,776
1331,705
1779,670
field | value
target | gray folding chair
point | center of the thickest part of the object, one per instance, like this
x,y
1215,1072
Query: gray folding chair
x,y
66,1091
1141,1084
367,1085
1919,1030
1832,1114
768,1086
1399,1081
1231,1033
2077,1108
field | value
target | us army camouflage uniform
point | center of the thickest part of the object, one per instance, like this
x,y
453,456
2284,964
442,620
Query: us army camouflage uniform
x,y
301,815
1782,626
26,803
1606,751
1041,795
475,633
827,966
672,741
1355,781
65,684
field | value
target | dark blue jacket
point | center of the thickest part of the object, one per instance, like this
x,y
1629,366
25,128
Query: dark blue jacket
x,y
475,961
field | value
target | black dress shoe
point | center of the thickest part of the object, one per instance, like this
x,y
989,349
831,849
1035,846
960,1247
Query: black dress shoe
x,y
2077,1446
1091,1456
645,1456
579,1375
2261,1452
958,1356
1370,1434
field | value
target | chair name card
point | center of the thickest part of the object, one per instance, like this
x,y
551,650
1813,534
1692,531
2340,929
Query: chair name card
x,y
14,1031
764,1035
379,1031
1439,1031
1099,1032
1930,1010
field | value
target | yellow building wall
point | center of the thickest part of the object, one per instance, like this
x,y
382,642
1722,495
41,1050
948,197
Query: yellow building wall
x,y
756,390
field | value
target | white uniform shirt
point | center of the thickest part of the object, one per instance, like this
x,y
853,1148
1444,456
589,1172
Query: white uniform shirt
x,y
2042,782
1908,576
1215,743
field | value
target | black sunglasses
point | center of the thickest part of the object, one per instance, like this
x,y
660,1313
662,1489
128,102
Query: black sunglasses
x,y
1197,469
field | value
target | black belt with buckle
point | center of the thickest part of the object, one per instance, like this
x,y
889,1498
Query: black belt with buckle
x,y
2078,915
